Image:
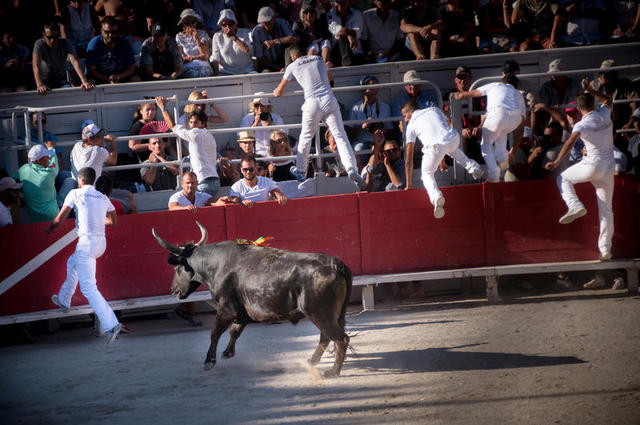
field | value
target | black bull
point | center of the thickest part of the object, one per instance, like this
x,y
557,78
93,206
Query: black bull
x,y
262,284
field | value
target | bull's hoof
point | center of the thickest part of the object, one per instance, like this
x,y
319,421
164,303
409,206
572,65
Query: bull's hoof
x,y
209,365
331,373
313,361
228,354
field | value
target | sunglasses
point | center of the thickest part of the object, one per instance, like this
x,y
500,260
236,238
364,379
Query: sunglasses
x,y
52,37
227,24
248,170
282,140
392,150
109,32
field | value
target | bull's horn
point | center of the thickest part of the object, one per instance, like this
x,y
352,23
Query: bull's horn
x,y
166,245
203,240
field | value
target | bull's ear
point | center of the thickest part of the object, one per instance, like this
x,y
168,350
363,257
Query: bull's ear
x,y
176,260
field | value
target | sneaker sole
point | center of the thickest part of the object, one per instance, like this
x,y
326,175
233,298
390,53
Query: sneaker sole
x,y
56,301
362,185
605,257
478,174
566,219
113,335
438,211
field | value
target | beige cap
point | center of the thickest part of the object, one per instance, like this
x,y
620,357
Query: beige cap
x,y
411,76
246,136
556,65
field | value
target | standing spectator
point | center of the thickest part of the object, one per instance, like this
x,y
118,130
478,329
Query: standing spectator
x,y
260,115
160,58
522,157
9,201
320,104
50,55
38,178
559,89
109,56
537,22
93,211
13,63
202,147
494,30
189,198
597,167
247,143
422,23
280,146
634,142
195,46
381,37
618,88
345,25
458,34
219,117
270,37
210,10
231,47
80,23
165,11
313,33
386,169
438,139
158,178
253,188
412,91
586,22
367,109
551,147
505,113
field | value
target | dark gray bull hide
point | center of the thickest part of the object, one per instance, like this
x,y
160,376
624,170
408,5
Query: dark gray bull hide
x,y
262,284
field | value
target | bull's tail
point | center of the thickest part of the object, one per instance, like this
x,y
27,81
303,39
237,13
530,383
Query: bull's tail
x,y
345,271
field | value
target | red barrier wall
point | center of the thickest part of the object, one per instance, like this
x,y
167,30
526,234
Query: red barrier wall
x,y
373,233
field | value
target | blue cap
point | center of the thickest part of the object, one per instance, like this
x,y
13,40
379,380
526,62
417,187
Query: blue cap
x,y
86,123
366,79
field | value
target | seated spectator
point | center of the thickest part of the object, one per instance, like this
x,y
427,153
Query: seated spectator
x,y
551,146
536,22
558,90
247,143
422,23
270,38
253,188
280,146
494,30
332,166
634,142
385,170
585,22
260,115
89,153
38,178
50,55
312,32
381,38
231,48
13,63
262,168
9,201
50,140
158,178
195,46
618,88
229,173
522,157
458,32
626,22
202,147
79,25
160,58
619,157
110,58
104,185
165,11
210,12
367,109
189,198
345,25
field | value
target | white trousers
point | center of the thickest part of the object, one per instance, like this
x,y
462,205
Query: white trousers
x,y
600,174
312,113
432,156
81,266
497,125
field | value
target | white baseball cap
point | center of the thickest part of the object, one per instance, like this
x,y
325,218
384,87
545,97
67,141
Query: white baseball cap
x,y
91,130
9,183
36,152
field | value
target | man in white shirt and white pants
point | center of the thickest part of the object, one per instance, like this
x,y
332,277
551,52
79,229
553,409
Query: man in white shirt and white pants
x,y
438,139
93,211
506,111
320,104
598,166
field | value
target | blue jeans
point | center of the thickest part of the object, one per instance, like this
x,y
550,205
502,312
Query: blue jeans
x,y
210,185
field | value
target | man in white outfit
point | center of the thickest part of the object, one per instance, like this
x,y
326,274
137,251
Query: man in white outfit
x,y
506,110
320,104
93,211
598,166
438,139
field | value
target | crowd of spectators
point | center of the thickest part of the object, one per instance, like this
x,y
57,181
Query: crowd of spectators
x,y
60,43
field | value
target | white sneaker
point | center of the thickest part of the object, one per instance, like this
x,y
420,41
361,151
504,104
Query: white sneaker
x,y
359,181
573,214
596,282
57,302
478,173
112,334
295,173
618,283
438,208
606,256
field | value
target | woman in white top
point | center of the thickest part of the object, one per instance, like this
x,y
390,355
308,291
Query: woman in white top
x,y
195,46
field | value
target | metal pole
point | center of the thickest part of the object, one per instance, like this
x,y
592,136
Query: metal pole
x,y
27,130
178,140
40,129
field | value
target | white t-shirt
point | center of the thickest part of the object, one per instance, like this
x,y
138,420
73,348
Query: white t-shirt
x,y
91,209
431,126
202,150
311,73
258,193
596,131
231,59
501,95
262,136
5,215
87,156
183,201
